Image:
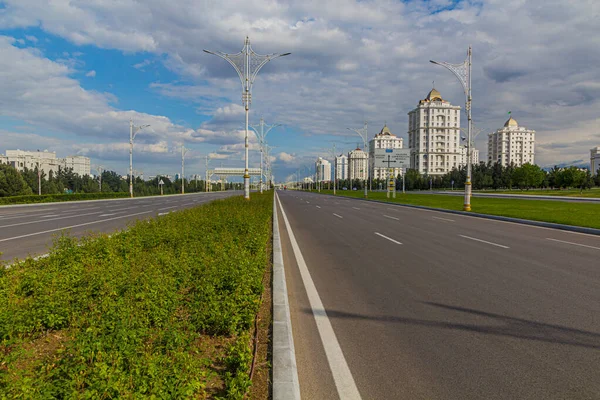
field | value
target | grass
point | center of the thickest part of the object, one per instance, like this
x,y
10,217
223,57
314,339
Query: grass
x,y
594,192
568,213
162,310
50,198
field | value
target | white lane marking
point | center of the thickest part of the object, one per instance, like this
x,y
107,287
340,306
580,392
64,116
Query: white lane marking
x,y
48,220
318,206
165,213
443,219
308,202
339,216
388,238
123,209
484,241
74,226
167,208
187,204
387,216
106,215
49,216
344,382
574,244
356,208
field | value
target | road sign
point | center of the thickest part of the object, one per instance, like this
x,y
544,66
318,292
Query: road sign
x,y
161,182
392,158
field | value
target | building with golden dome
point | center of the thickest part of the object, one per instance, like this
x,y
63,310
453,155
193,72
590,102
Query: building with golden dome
x,y
383,140
434,135
511,144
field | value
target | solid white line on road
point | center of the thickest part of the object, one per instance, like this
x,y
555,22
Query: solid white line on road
x,y
339,216
356,208
49,216
443,219
167,208
385,237
387,216
165,213
575,244
344,382
128,208
484,241
74,226
318,206
106,215
48,220
187,204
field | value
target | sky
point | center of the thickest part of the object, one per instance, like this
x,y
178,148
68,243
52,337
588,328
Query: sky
x,y
74,72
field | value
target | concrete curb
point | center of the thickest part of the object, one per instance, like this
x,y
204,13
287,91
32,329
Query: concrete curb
x,y
285,373
569,228
96,200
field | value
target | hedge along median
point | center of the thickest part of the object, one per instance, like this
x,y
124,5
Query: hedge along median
x,y
163,309
49,198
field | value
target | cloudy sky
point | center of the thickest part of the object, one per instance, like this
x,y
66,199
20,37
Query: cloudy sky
x,y
73,72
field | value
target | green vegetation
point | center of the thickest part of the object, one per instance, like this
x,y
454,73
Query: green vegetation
x,y
568,213
161,310
593,192
47,198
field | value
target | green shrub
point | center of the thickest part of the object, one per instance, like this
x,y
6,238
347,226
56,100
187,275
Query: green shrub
x,y
48,198
126,315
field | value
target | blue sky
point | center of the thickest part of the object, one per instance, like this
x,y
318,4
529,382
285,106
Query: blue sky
x,y
73,74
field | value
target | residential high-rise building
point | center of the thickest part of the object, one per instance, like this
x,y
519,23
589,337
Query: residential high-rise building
x,y
323,169
434,135
383,140
595,160
474,156
512,144
47,161
357,164
80,164
341,167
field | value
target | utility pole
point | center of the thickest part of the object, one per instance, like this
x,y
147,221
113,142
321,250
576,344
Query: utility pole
x,y
183,152
206,184
363,133
262,136
133,130
247,64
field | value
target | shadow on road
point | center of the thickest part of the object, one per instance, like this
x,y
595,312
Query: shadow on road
x,y
499,325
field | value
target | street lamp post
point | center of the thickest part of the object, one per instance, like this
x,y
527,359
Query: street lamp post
x,y
363,133
133,130
262,136
247,64
39,168
463,72
99,168
183,152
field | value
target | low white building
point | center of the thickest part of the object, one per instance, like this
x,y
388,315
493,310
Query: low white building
x,y
357,164
341,167
595,160
47,161
323,169
512,144
383,140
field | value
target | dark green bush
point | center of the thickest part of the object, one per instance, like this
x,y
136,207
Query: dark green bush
x,y
122,316
48,198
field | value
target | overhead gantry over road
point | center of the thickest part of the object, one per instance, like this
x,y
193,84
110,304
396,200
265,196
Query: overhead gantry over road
x,y
390,302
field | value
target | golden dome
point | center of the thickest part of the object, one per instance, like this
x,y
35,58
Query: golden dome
x,y
385,131
434,95
511,123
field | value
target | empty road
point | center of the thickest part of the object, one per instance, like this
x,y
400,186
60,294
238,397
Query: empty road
x,y
29,230
389,302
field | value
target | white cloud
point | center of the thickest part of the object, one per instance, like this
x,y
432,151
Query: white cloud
x,y
285,157
91,74
142,65
32,39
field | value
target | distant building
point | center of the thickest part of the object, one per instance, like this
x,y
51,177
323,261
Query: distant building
x,y
434,135
323,169
47,161
383,140
357,165
512,144
595,160
474,156
341,167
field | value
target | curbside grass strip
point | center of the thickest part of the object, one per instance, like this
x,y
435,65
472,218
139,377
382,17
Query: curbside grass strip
x,y
285,373
552,225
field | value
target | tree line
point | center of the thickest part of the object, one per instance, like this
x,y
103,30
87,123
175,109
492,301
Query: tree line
x,y
15,183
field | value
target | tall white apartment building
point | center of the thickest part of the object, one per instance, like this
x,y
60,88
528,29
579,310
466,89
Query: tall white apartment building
x,y
323,169
383,140
474,156
357,164
512,144
434,135
595,160
47,161
341,167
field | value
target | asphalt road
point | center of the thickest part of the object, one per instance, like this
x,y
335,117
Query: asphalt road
x,y
29,230
428,305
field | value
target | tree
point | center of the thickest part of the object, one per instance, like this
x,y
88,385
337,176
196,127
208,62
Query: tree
x,y
528,176
12,183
